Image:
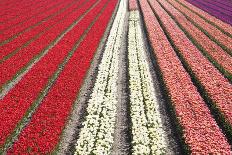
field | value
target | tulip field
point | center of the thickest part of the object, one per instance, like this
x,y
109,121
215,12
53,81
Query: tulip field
x,y
141,77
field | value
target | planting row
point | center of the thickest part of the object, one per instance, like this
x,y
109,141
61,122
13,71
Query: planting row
x,y
200,131
32,77
45,100
97,134
21,15
211,31
217,10
224,27
216,87
215,53
23,59
15,30
148,134
23,40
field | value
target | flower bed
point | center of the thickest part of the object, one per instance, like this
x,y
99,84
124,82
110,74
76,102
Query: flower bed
x,y
97,134
38,48
55,107
192,113
37,79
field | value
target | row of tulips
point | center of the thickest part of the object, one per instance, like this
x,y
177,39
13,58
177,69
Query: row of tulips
x,y
133,5
26,95
23,59
225,6
200,131
214,10
13,31
219,7
23,14
207,28
225,3
12,11
224,27
97,134
148,135
216,87
23,40
20,24
7,4
43,133
210,48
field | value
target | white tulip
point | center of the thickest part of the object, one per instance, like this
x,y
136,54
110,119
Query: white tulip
x,y
99,124
147,130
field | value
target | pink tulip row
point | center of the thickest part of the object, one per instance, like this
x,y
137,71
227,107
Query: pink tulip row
x,y
213,31
133,5
212,49
217,87
200,131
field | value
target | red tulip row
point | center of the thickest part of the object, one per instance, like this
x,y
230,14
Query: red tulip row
x,y
10,3
14,6
13,3
27,37
210,29
27,55
18,101
226,27
26,25
200,131
44,131
217,87
133,5
211,48
21,10
28,16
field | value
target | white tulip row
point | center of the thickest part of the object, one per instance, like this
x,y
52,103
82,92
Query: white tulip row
x,y
148,136
96,136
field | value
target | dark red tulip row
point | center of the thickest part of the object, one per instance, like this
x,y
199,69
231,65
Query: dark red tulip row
x,y
26,37
210,29
212,49
226,27
216,86
133,5
200,131
16,63
44,131
20,11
